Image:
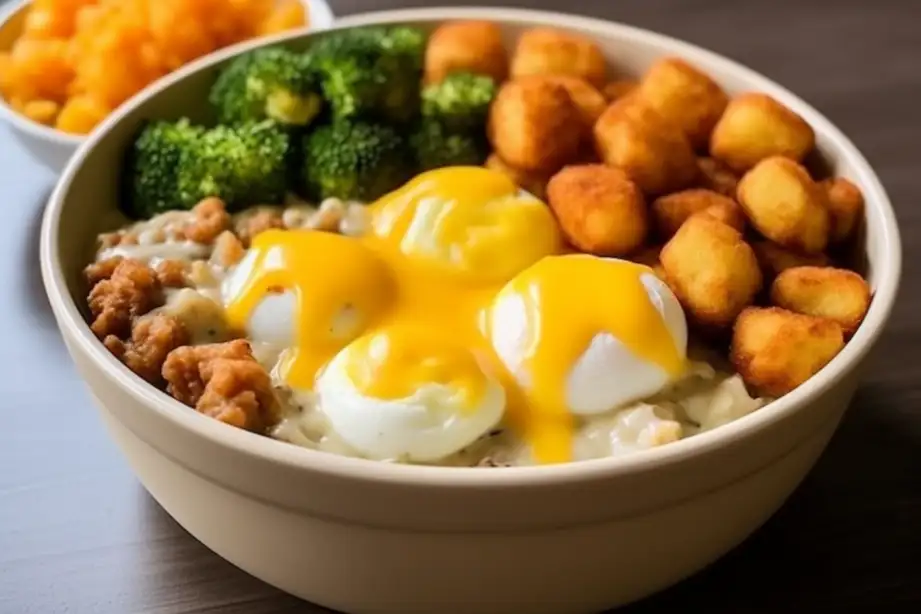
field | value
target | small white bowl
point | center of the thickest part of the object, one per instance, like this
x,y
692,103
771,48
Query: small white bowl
x,y
53,148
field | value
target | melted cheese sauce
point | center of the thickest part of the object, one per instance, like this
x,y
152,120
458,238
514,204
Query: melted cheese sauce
x,y
415,290
398,360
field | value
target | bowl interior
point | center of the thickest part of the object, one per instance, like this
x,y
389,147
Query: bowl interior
x,y
85,202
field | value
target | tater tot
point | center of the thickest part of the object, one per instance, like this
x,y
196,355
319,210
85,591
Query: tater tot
x,y
549,51
845,204
775,259
686,96
535,183
775,350
472,46
825,292
754,127
728,212
716,176
713,272
535,126
590,102
615,90
785,205
633,137
673,210
600,210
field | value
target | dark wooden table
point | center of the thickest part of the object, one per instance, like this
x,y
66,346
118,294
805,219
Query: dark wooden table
x,y
79,534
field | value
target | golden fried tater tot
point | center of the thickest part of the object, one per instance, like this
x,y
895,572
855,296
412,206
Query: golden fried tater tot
x,y
535,126
471,46
550,51
713,272
755,127
600,210
686,96
826,292
785,205
775,350
845,203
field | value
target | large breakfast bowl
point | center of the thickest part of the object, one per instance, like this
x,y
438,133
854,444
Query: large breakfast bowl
x,y
370,537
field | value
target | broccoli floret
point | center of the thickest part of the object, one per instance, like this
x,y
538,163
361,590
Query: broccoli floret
x,y
173,165
435,146
354,161
269,83
460,101
245,164
154,166
372,72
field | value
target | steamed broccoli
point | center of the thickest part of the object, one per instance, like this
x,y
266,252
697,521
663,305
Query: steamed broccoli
x,y
372,72
461,101
154,162
173,165
354,160
269,83
244,165
435,146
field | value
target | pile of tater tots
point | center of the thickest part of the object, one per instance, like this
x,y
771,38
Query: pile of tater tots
x,y
719,194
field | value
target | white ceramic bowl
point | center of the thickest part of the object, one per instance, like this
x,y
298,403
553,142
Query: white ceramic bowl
x,y
53,148
371,537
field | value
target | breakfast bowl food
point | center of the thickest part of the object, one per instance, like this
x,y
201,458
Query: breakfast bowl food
x,y
473,388
64,66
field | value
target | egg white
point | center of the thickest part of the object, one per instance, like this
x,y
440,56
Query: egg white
x,y
607,375
272,321
427,426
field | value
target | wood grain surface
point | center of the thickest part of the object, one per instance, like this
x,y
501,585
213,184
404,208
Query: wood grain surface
x,y
79,534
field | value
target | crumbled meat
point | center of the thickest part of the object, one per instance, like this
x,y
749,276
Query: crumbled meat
x,y
131,291
102,269
239,393
228,250
209,219
181,369
172,273
153,337
260,221
224,381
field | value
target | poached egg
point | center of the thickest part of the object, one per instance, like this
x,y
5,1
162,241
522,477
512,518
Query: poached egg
x,y
408,394
458,310
582,335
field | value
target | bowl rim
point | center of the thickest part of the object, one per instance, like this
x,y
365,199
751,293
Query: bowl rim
x,y
887,274
321,18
